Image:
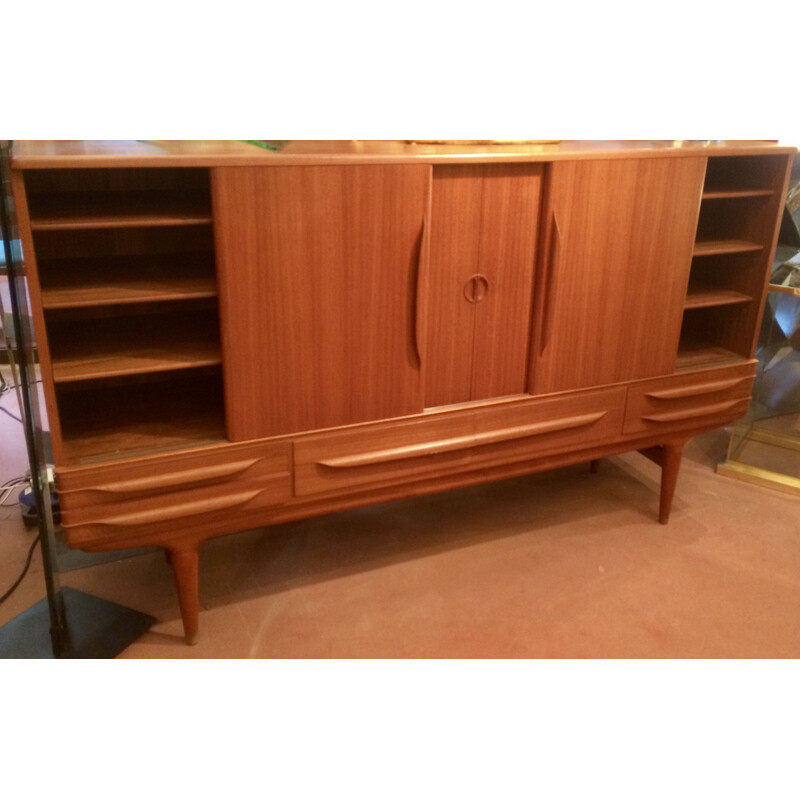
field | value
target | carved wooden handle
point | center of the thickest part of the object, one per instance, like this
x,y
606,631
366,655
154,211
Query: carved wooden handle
x,y
554,256
419,334
463,442
697,389
701,411
178,511
157,481
476,288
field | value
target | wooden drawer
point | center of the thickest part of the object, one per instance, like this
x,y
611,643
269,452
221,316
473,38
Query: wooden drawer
x,y
154,494
686,401
149,477
392,453
540,427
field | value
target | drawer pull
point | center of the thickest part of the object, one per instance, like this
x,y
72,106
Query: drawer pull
x,y
696,389
419,315
179,511
698,411
551,275
463,442
188,477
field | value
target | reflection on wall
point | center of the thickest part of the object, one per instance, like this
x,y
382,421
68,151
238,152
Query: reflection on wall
x,y
778,382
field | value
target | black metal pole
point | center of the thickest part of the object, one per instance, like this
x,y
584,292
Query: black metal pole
x,y
31,416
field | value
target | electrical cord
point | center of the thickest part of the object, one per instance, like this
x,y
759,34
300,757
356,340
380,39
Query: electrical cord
x,y
7,490
12,481
10,485
7,387
13,416
18,581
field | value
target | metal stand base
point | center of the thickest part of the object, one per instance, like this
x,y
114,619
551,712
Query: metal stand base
x,y
96,628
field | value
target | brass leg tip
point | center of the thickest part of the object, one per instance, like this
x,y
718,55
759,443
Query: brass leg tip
x,y
191,639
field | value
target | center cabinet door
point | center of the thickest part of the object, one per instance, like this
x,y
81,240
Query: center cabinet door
x,y
318,270
479,284
620,234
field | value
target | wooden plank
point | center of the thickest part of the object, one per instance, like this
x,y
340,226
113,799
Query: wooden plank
x,y
81,154
88,354
715,246
721,194
87,282
58,212
700,296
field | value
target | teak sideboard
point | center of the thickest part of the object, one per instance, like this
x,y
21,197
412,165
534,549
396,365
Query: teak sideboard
x,y
231,337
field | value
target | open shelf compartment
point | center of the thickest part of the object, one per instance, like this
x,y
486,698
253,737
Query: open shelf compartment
x,y
739,176
120,280
90,347
126,270
84,268
727,281
110,420
117,198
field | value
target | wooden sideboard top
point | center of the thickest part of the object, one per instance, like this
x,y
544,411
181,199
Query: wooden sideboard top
x,y
42,154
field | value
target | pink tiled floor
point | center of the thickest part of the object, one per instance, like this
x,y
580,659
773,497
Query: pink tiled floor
x,y
561,564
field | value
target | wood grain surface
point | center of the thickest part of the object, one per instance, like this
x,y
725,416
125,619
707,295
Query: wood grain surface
x,y
484,223
620,272
43,154
318,290
458,440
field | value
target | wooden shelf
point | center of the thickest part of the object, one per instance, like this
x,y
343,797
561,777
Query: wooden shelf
x,y
69,211
698,354
721,193
112,422
719,246
109,348
116,280
700,296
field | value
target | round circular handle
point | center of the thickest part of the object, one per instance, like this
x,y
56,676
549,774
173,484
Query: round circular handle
x,y
476,288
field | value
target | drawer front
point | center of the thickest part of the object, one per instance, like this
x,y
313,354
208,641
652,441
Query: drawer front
x,y
110,484
404,452
535,428
685,401
217,507
153,495
382,455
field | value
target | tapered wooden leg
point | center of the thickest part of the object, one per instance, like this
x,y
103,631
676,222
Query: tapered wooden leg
x,y
594,466
185,564
670,466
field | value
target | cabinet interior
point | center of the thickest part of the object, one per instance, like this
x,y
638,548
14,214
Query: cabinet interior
x,y
137,415
126,268
734,238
